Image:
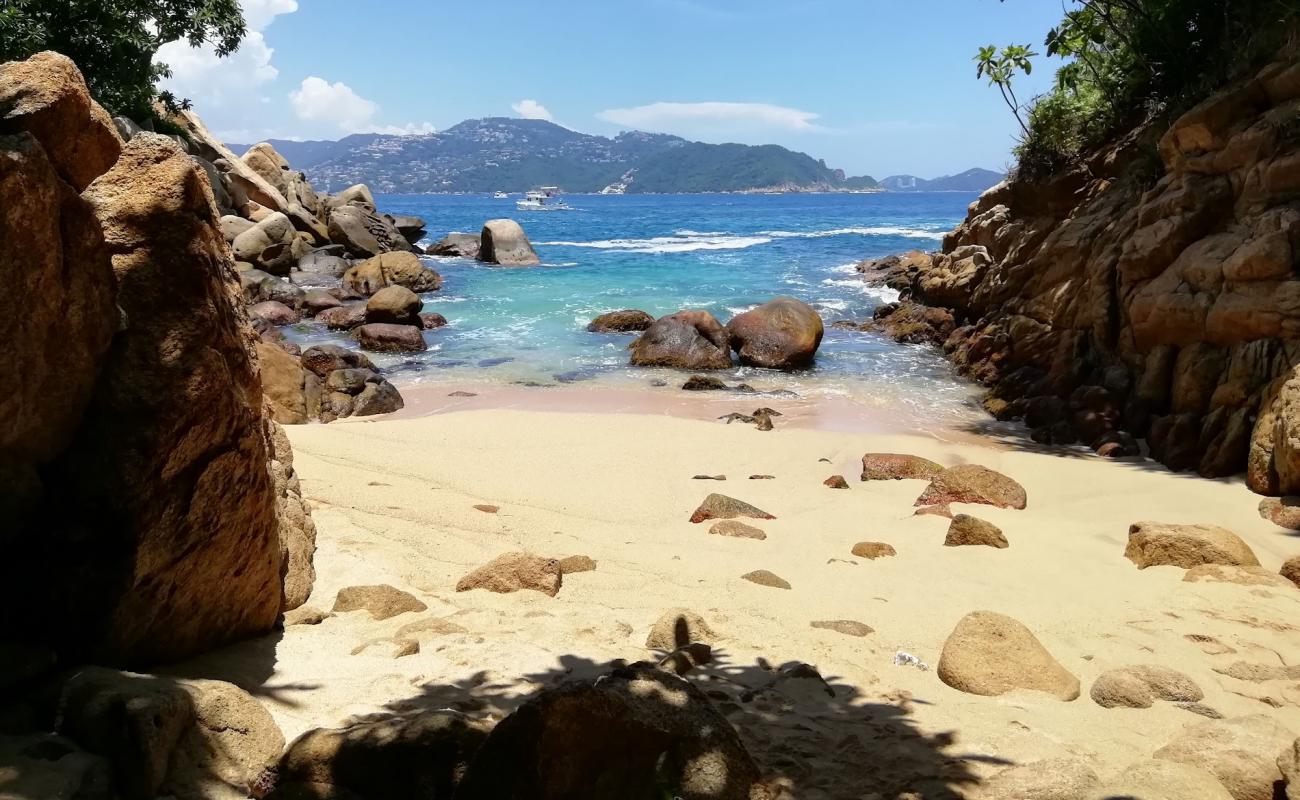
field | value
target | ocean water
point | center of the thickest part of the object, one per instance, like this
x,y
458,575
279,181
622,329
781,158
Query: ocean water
x,y
722,253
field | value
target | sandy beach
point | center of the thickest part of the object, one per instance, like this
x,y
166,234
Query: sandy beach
x,y
394,502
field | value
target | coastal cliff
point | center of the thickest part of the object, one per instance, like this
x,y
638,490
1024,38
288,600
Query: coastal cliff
x,y
1148,291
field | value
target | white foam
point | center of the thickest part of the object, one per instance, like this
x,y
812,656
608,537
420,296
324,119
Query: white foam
x,y
882,293
881,230
670,244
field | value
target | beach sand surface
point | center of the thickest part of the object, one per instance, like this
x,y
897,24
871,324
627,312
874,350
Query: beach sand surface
x,y
394,502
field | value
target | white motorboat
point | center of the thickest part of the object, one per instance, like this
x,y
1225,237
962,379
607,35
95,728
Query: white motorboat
x,y
545,198
500,196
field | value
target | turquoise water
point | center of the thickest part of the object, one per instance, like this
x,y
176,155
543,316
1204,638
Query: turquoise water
x,y
723,253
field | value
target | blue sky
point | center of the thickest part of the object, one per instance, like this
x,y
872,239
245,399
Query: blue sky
x,y
872,86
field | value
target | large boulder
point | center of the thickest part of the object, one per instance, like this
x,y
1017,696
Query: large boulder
x,y
629,320
780,334
638,733
269,245
57,314
46,97
263,159
297,530
503,242
456,245
364,233
246,187
292,392
992,654
691,340
395,304
971,483
1241,753
1055,779
1139,686
513,572
382,337
164,564
1152,544
391,269
170,736
421,755
356,195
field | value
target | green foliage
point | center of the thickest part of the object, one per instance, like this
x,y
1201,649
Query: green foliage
x,y
1130,61
1000,67
113,42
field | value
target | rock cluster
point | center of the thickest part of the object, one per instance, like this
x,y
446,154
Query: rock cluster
x,y
1138,295
783,333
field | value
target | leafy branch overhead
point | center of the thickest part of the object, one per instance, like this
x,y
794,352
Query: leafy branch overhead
x,y
114,42
1001,67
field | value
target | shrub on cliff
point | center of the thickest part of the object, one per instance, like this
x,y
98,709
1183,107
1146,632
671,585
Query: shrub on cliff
x,y
113,42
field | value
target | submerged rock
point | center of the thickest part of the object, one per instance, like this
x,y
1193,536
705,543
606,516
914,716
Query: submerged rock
x,y
628,320
461,245
691,340
781,334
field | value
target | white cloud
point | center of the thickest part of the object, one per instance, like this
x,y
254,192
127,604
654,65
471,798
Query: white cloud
x,y
259,13
531,109
337,105
409,129
717,116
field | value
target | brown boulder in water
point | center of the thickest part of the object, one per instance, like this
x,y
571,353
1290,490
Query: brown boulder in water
x,y
363,233
503,242
621,735
396,305
686,340
629,320
781,334
719,506
971,483
461,245
991,654
390,269
513,572
384,337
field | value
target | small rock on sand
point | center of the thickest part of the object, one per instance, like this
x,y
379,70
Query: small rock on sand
x,y
393,648
679,627
487,509
847,627
764,578
684,659
991,654
1245,576
944,510
1283,512
1291,570
513,572
874,550
572,564
895,466
305,615
967,530
971,483
836,482
1162,780
1241,753
381,600
762,477
736,529
1152,544
1141,685
462,394
719,506
1054,779
709,477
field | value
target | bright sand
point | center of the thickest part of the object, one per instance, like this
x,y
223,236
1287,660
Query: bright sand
x,y
393,501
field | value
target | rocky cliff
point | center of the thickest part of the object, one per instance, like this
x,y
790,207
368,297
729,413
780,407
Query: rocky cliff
x,y
1150,292
142,518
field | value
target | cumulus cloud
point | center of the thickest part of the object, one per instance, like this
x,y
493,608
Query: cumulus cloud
x,y
718,116
531,109
259,13
336,105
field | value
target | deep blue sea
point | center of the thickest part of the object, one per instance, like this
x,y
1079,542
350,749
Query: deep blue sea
x,y
723,253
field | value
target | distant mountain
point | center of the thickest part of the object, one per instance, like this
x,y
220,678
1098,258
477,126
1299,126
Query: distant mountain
x,y
860,182
972,180
504,154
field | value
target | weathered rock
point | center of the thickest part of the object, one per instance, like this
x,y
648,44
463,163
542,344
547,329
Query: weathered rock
x,y
46,97
272,313
297,530
1240,752
628,320
315,301
391,269
232,226
1141,685
781,334
503,242
735,529
320,262
263,159
358,195
461,245
248,190
395,305
1055,779
322,359
269,245
381,600
431,320
1291,570
1162,780
293,392
57,314
420,755
363,233
967,530
703,383
571,564
345,317
377,398
679,627
719,506
1289,764
874,550
38,766
306,615
428,627
634,728
1281,511
170,736
1153,544
513,572
765,578
992,654
178,412
847,627
893,467
971,483
684,659
390,647
836,482
1242,576
686,340
387,338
